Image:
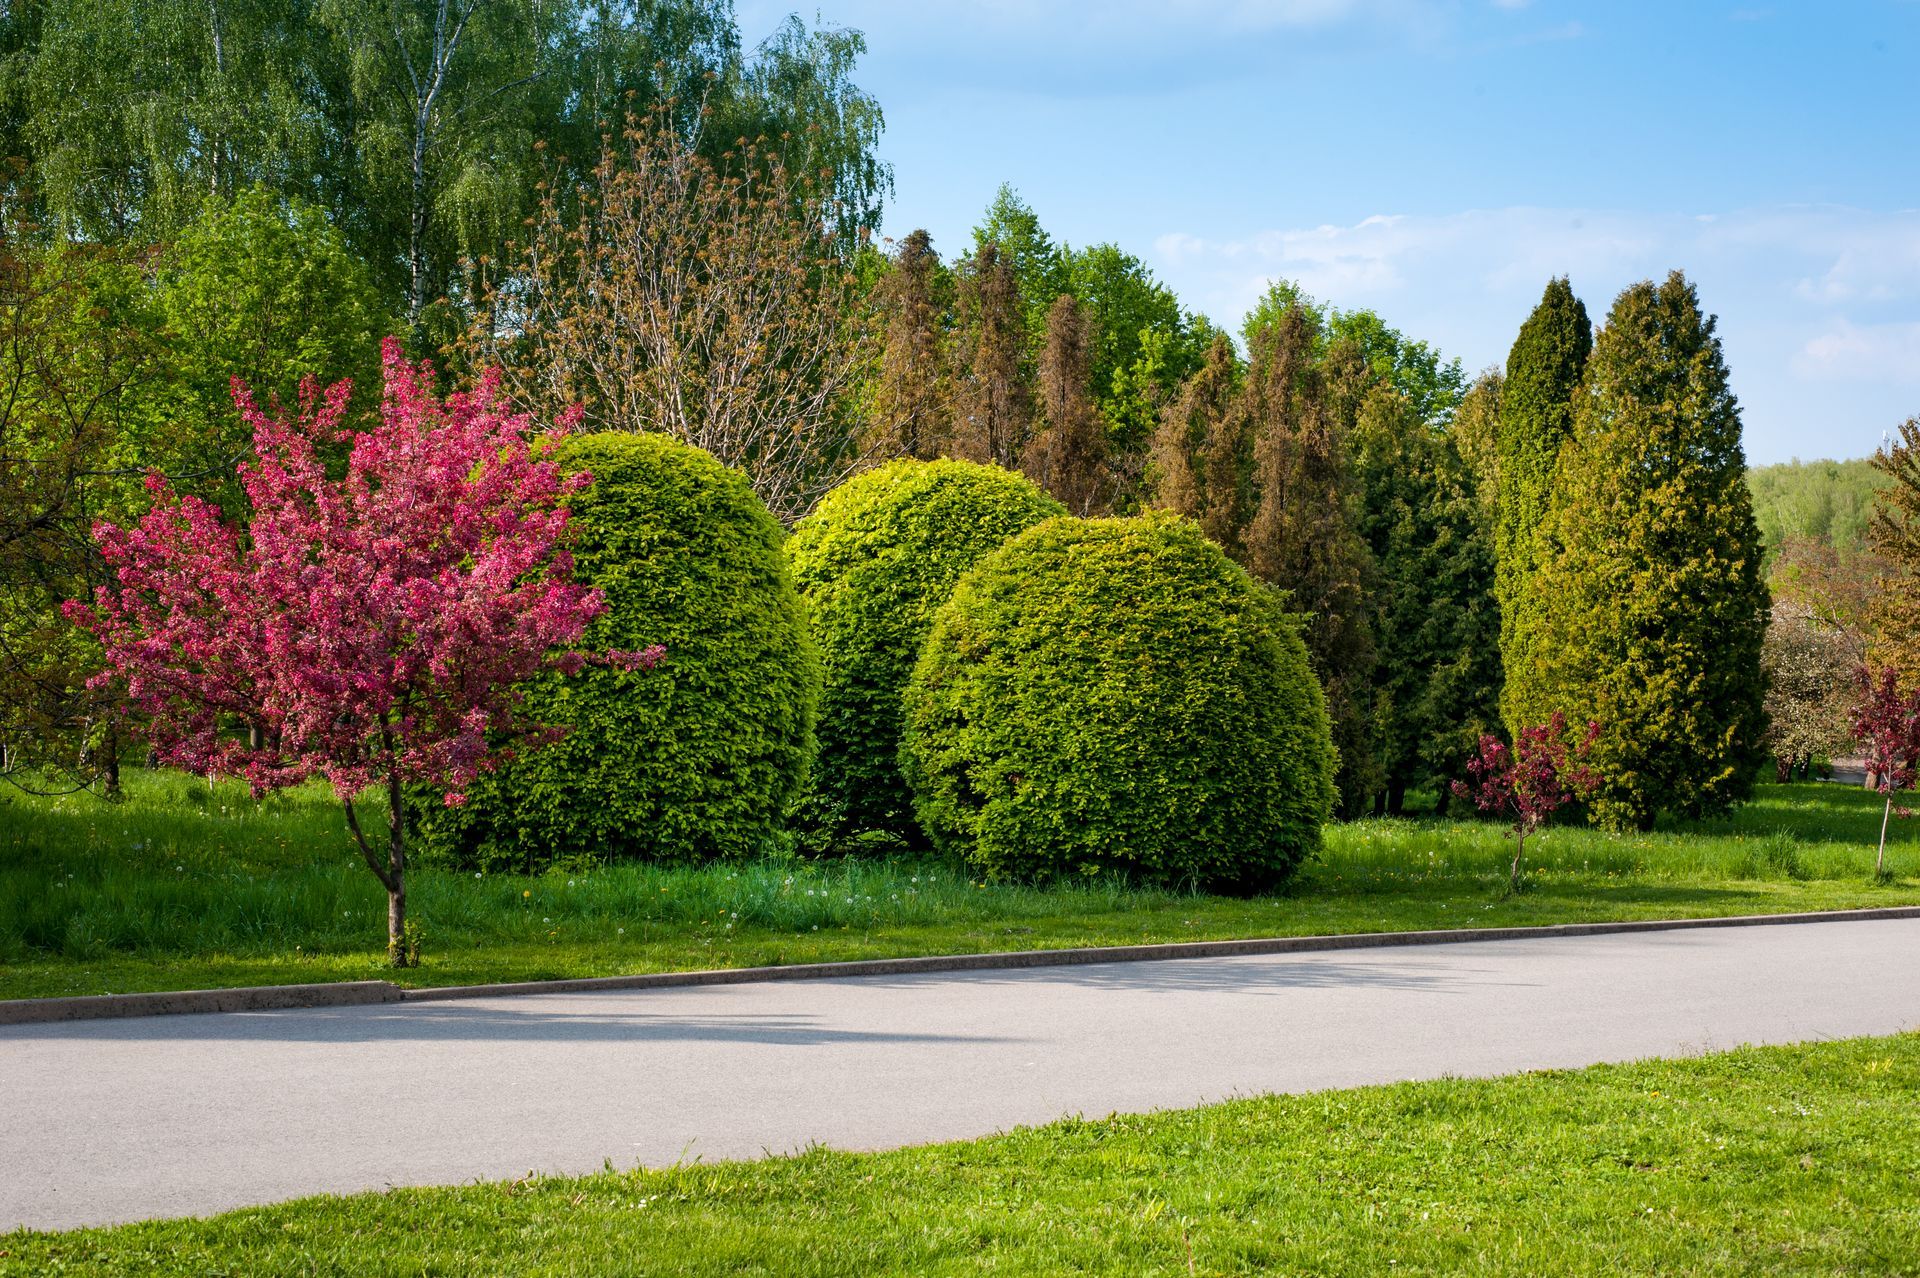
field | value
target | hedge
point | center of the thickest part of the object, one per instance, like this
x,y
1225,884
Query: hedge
x,y
700,758
1117,696
874,561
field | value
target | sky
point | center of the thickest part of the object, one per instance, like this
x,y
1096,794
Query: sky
x,y
1438,162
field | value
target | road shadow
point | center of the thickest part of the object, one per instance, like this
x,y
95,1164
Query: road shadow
x,y
1274,974
534,1019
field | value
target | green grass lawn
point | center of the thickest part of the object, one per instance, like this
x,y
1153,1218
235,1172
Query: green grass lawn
x,y
182,886
1761,1161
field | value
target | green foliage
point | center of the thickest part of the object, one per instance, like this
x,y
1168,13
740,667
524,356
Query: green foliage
x,y
413,124
1830,502
182,885
1117,695
1653,609
267,291
1536,416
1433,386
1039,265
699,758
1434,619
874,561
1145,345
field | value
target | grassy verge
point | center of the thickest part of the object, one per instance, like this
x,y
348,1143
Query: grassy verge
x,y
1760,1161
182,886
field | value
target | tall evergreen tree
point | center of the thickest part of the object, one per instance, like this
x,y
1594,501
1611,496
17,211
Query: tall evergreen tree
x,y
1536,416
1652,608
1475,431
1303,535
1434,619
1895,533
1202,467
993,403
1068,456
912,412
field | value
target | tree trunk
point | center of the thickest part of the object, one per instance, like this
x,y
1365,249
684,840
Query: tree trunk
x,y
1880,861
1397,798
1519,849
110,748
400,950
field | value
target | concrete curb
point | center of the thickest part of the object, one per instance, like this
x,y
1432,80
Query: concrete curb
x,y
354,993
245,998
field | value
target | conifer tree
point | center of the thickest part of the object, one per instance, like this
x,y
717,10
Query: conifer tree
x,y
1068,456
912,414
1434,619
1303,536
1475,431
1536,415
1201,462
993,403
1652,608
1895,533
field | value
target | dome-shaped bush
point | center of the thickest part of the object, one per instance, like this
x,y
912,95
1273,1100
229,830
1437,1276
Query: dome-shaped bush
x,y
694,760
874,561
1117,694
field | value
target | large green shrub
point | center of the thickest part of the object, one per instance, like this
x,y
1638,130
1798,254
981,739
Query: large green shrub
x,y
874,562
699,758
1119,695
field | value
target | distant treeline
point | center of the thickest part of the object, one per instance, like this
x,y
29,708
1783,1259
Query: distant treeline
x,y
1829,502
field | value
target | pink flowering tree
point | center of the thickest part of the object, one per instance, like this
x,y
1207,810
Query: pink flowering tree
x,y
1886,723
1528,783
370,630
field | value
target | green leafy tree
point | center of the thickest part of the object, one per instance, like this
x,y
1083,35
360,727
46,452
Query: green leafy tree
x,y
267,291
132,112
1536,416
1653,609
1825,501
414,123
1434,386
77,345
1039,265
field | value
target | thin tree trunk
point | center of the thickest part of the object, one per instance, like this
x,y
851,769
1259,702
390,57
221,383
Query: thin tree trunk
x,y
111,747
1880,861
1519,849
399,952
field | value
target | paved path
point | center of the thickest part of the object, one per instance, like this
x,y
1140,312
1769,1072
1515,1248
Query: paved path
x,y
104,1121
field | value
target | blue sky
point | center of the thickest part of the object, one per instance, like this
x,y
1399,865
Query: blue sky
x,y
1438,161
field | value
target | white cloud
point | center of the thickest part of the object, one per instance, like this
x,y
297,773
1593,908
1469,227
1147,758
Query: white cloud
x,y
1874,352
1819,306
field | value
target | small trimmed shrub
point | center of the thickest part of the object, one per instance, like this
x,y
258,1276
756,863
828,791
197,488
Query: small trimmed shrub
x,y
695,760
1116,695
874,562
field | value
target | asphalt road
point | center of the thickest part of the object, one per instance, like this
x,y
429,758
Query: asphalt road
x,y
106,1121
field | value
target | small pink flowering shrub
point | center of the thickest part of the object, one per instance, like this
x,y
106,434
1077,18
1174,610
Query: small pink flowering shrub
x,y
372,630
1528,783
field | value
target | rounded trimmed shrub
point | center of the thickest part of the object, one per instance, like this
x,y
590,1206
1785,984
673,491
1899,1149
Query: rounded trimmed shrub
x,y
881,553
699,758
1116,695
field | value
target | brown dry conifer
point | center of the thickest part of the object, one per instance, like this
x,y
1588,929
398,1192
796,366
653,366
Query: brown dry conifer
x,y
1068,456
